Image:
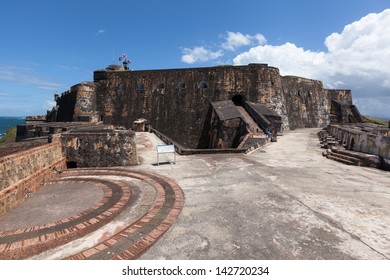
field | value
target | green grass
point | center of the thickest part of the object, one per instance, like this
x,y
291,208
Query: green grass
x,y
368,119
9,136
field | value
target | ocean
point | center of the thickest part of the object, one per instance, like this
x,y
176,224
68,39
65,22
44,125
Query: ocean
x,y
8,122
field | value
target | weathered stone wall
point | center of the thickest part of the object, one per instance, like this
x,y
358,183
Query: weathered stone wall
x,y
85,107
226,133
77,104
177,101
35,119
368,140
66,104
99,148
308,103
25,172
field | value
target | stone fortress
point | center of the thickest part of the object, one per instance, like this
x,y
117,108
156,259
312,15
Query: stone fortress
x,y
222,109
202,108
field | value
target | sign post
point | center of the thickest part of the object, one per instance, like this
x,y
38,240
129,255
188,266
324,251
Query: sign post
x,y
165,149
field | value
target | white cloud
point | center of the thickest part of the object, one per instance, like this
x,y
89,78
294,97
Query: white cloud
x,y
232,42
377,107
49,104
357,58
26,76
199,54
290,59
100,32
235,40
23,90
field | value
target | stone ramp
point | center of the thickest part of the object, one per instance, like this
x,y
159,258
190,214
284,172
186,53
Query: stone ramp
x,y
253,126
256,137
127,242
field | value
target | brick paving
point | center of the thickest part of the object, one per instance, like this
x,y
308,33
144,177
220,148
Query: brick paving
x,y
129,243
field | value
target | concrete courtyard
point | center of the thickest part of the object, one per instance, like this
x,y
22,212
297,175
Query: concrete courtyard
x,y
284,201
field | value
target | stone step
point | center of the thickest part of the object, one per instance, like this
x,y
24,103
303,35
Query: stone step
x,y
340,160
323,133
328,139
354,160
329,145
368,160
349,153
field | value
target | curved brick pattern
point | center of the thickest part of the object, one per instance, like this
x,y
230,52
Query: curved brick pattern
x,y
25,242
137,237
128,243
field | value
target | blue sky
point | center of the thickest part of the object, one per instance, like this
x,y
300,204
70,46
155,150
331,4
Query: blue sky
x,y
48,46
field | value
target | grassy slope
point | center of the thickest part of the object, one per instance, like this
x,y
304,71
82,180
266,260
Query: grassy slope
x,y
369,119
9,136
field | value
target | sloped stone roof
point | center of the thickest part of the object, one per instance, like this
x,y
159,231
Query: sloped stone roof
x,y
226,110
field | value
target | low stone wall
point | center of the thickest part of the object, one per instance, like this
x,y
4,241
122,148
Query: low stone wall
x,y
184,151
365,138
99,147
25,172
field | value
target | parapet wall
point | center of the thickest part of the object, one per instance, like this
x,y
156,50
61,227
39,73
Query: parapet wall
x,y
77,104
177,101
99,147
25,172
365,138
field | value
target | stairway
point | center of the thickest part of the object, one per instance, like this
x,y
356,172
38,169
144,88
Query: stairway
x,y
335,151
253,126
255,137
338,155
327,141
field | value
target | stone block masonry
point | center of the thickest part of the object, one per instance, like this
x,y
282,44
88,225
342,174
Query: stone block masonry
x,y
99,147
366,138
25,172
177,102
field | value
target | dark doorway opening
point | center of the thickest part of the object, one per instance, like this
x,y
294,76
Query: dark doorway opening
x,y
352,144
71,164
239,100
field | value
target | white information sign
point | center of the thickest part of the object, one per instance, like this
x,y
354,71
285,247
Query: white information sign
x,y
164,149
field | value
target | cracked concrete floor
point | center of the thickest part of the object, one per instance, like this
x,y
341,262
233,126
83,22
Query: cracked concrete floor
x,y
284,201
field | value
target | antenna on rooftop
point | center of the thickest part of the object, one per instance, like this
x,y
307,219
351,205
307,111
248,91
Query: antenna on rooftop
x,y
125,61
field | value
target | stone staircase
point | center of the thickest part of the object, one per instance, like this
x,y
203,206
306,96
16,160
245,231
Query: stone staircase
x,y
255,137
253,126
327,141
335,151
338,155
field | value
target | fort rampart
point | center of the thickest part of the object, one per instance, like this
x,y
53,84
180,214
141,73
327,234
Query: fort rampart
x,y
25,172
99,147
374,140
177,101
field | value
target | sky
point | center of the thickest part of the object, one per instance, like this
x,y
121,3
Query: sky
x,y
48,46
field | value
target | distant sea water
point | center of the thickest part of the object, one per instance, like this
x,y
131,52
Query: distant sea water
x,y
8,122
